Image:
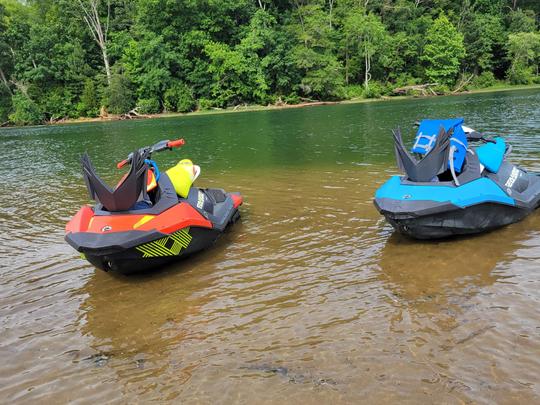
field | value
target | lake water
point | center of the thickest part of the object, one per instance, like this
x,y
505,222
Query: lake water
x,y
311,298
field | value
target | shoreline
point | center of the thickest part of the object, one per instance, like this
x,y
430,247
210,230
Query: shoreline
x,y
255,107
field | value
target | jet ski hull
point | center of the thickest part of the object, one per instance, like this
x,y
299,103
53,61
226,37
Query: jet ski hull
x,y
450,220
159,250
442,210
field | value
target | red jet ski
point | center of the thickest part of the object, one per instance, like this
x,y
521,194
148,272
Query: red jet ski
x,y
150,218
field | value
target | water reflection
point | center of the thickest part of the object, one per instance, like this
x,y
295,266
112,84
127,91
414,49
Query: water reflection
x,y
143,314
419,271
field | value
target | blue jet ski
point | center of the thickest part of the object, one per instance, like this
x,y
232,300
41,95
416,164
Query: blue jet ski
x,y
455,181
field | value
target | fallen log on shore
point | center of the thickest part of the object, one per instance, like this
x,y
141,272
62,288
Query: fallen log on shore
x,y
133,114
424,89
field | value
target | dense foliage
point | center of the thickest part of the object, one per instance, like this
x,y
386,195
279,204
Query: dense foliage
x,y
72,58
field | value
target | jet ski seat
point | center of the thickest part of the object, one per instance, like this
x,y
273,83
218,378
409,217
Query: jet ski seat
x,y
491,155
127,194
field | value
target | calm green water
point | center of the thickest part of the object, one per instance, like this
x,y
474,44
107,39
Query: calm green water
x,y
311,297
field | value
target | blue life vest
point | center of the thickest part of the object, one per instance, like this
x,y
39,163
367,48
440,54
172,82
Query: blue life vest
x,y
491,155
427,135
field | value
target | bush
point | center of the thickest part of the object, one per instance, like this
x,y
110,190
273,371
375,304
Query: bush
x,y
406,79
486,79
148,106
354,91
292,98
5,104
374,90
57,104
119,95
205,104
441,89
520,75
25,111
179,98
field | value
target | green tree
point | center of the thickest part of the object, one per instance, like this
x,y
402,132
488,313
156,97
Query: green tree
x,y
234,78
179,98
148,105
6,65
147,62
524,52
443,52
57,55
57,103
119,95
25,111
314,53
483,34
5,104
365,36
89,103
522,21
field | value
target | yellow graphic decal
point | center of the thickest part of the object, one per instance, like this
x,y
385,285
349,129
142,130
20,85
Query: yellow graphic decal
x,y
168,246
143,221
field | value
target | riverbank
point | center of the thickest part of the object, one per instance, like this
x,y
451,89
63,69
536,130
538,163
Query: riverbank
x,y
249,108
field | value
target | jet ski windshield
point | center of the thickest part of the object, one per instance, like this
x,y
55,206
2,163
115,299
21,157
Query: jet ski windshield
x,y
432,163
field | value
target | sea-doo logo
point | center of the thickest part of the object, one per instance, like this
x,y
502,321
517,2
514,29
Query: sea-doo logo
x,y
200,200
513,177
106,228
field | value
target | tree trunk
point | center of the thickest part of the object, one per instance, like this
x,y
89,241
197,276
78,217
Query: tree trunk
x,y
99,32
367,76
301,19
347,65
106,63
4,80
331,6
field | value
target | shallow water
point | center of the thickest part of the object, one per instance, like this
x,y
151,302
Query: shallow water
x,y
311,297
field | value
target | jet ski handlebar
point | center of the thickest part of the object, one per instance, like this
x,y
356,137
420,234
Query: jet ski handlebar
x,y
148,150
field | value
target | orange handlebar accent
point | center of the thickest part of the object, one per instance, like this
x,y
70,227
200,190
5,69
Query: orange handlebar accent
x,y
121,164
176,144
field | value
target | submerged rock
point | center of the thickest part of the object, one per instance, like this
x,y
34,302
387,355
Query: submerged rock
x,y
293,377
